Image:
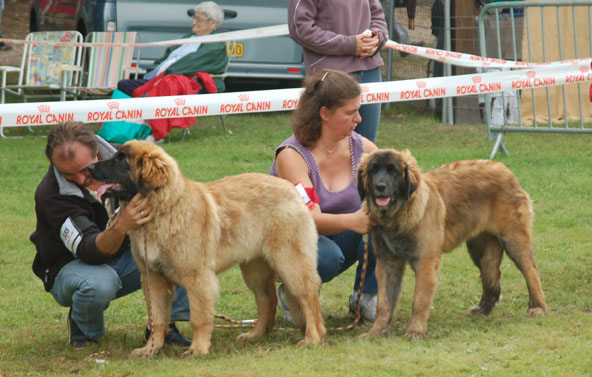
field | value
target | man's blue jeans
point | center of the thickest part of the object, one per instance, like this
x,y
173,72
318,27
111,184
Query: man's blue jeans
x,y
89,289
337,253
370,113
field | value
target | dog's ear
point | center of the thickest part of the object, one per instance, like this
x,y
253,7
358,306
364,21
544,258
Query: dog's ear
x,y
155,171
412,174
361,177
143,189
154,167
409,188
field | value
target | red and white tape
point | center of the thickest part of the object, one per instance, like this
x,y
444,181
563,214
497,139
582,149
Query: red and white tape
x,y
32,114
262,32
468,60
538,75
451,57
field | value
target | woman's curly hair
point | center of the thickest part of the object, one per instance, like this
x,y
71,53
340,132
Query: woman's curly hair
x,y
329,88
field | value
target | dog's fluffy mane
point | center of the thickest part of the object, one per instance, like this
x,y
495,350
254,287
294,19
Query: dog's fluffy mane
x,y
157,170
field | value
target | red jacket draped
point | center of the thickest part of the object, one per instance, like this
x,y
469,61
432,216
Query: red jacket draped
x,y
173,85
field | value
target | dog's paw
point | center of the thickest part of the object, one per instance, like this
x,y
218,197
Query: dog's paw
x,y
306,342
536,312
248,336
194,352
366,336
146,352
374,333
244,337
477,310
415,335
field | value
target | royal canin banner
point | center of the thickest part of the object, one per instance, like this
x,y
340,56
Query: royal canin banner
x,y
534,76
33,114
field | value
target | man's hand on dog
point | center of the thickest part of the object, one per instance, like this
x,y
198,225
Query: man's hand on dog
x,y
135,214
131,216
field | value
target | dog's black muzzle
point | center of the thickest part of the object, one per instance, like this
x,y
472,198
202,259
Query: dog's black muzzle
x,y
382,183
380,188
115,170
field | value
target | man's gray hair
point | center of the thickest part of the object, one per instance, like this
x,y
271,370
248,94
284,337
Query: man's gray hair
x,y
212,10
68,133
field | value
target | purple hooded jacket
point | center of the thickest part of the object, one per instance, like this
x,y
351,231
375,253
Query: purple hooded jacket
x,y
327,29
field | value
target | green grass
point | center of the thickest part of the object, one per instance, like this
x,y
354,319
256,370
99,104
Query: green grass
x,y
555,169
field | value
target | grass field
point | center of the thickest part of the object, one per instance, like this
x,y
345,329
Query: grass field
x,y
555,169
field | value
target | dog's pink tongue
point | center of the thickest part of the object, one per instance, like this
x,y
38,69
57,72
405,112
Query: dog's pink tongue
x,y
382,201
103,189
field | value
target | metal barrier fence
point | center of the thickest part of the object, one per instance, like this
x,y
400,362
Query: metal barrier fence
x,y
400,66
537,32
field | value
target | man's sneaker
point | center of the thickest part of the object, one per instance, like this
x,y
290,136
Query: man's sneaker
x,y
76,338
283,304
173,336
367,306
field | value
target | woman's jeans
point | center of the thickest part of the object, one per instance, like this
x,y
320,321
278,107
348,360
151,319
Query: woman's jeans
x,y
337,253
370,113
89,289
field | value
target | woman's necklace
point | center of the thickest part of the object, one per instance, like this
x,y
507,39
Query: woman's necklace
x,y
330,151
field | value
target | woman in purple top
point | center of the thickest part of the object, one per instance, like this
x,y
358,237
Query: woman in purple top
x,y
323,155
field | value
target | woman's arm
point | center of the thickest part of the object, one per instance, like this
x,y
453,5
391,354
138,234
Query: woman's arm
x,y
305,30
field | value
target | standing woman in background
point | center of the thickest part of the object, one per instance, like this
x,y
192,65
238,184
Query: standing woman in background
x,y
331,34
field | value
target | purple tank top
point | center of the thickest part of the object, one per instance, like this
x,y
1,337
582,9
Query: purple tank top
x,y
336,202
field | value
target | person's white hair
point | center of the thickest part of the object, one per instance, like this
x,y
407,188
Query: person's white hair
x,y
212,10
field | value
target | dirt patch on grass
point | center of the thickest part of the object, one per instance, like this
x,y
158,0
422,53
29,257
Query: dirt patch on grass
x,y
15,25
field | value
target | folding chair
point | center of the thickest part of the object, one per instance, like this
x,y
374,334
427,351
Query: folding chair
x,y
230,45
106,65
46,70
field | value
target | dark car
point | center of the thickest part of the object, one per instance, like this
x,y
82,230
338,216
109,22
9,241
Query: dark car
x,y
265,59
